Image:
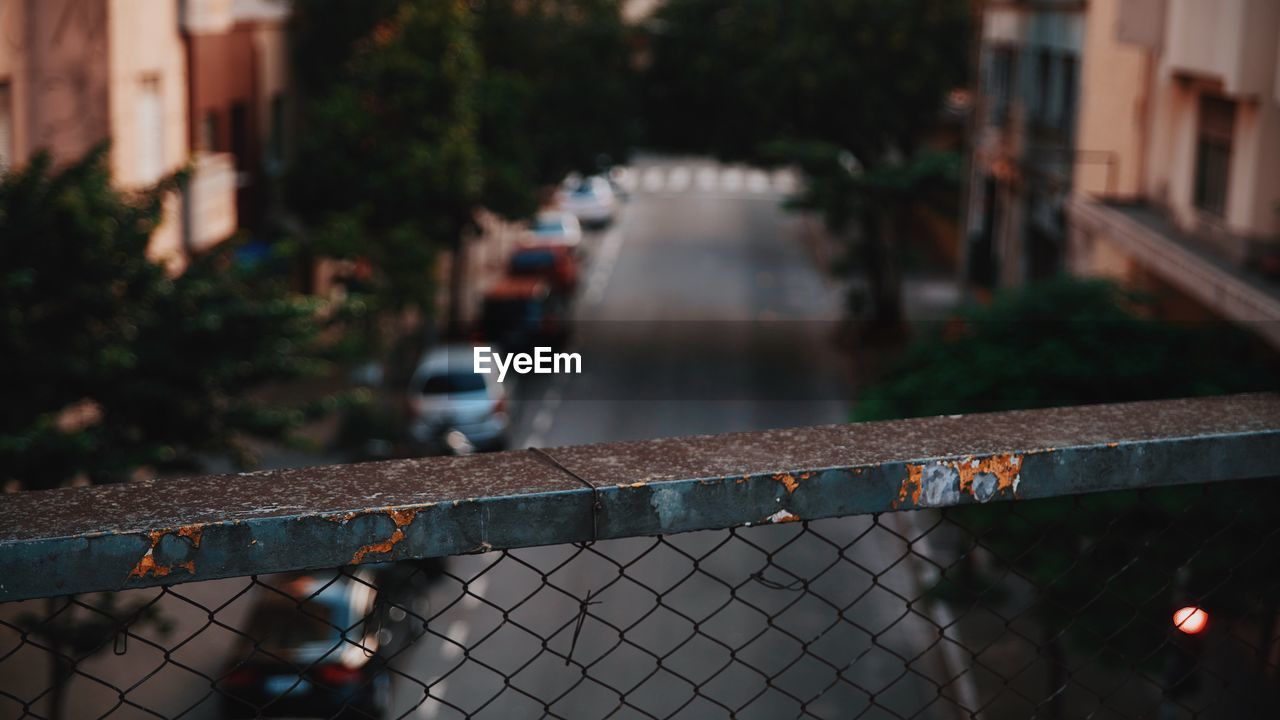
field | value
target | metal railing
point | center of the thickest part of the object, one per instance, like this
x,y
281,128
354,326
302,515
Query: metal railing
x,y
1023,564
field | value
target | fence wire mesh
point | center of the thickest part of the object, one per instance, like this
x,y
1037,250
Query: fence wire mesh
x,y
1058,608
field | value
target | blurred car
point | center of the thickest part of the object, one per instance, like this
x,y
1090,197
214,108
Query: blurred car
x,y
591,200
309,649
555,264
521,313
554,228
448,398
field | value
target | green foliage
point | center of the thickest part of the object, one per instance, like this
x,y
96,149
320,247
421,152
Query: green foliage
x,y
112,365
419,112
1109,568
867,76
1064,342
388,166
846,89
556,96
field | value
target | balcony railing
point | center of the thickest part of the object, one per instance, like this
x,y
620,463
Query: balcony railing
x,y
209,201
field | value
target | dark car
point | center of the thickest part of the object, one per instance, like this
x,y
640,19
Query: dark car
x,y
556,265
309,649
520,313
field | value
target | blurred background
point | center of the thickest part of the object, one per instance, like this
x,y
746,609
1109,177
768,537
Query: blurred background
x,y
245,234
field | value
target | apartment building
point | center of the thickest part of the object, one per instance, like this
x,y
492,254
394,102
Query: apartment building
x,y
171,83
1023,149
1185,96
237,59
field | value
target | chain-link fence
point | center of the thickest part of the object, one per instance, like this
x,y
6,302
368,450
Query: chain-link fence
x,y
937,606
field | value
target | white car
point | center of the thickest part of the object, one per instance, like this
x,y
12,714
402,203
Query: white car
x,y
554,228
447,396
591,200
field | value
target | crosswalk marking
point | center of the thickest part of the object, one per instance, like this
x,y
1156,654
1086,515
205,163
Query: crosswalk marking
x,y
653,179
731,179
678,179
709,179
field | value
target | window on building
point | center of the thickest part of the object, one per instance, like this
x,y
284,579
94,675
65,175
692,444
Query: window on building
x,y
210,140
150,130
1066,111
6,126
240,135
1213,154
1001,79
276,149
1043,91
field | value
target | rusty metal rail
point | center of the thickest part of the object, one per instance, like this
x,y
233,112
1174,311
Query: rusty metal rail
x,y
152,533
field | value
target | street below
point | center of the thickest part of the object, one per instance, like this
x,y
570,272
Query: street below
x,y
701,312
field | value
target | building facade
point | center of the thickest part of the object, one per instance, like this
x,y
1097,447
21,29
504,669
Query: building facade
x,y
1023,149
1185,96
172,84
237,59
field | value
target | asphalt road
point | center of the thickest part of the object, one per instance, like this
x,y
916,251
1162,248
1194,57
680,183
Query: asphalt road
x,y
701,313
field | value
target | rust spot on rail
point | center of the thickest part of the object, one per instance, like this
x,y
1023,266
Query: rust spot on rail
x,y
402,519
940,483
1005,468
911,486
147,564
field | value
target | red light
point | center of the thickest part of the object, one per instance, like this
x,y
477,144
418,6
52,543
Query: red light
x,y
336,675
1190,620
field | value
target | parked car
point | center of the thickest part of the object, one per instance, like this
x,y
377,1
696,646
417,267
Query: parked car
x,y
554,228
309,649
520,313
555,264
448,399
591,200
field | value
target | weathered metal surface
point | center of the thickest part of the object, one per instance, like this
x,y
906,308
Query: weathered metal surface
x,y
159,532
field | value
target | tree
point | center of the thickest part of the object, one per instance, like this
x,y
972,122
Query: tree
x,y
388,166
863,81
871,209
422,112
556,96
113,366
1108,568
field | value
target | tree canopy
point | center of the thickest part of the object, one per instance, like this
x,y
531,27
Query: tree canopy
x,y
420,112
866,76
388,165
112,365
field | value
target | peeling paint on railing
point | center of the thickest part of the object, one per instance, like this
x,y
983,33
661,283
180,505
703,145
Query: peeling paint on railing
x,y
162,532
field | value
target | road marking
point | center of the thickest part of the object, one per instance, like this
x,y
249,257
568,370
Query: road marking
x,y
603,267
678,179
955,665
458,631
653,179
731,180
542,421
785,182
707,177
